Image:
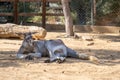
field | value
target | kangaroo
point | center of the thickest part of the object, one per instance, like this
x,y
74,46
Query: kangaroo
x,y
56,50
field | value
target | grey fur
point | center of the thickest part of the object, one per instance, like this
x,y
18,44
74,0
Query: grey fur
x,y
55,49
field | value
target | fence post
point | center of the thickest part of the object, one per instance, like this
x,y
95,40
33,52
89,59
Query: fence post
x,y
92,14
43,13
16,11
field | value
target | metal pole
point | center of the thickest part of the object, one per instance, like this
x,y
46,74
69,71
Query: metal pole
x,y
92,13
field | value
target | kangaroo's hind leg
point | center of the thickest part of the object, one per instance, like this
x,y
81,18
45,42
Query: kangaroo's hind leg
x,y
60,53
57,52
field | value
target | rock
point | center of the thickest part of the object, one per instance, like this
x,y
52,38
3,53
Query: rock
x,y
90,44
45,70
63,72
17,31
94,59
76,36
87,38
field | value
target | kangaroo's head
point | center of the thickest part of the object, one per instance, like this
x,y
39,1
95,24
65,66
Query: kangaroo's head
x,y
28,41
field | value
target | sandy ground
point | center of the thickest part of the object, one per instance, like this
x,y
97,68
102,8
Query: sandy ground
x,y
106,47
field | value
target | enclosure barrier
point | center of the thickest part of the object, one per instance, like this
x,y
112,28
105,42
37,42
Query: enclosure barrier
x,y
16,13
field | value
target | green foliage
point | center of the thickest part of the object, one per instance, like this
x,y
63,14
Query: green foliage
x,y
81,9
35,7
29,7
107,7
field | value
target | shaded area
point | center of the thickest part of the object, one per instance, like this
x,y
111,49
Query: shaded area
x,y
114,38
8,59
109,57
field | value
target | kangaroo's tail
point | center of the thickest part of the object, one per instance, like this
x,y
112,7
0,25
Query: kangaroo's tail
x,y
94,59
83,56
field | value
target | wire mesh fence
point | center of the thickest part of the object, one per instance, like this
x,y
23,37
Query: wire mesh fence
x,y
84,12
96,12
6,7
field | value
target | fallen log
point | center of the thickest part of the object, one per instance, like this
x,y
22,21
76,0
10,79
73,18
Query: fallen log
x,y
10,30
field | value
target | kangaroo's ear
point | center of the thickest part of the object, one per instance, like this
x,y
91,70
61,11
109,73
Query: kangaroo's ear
x,y
26,34
29,33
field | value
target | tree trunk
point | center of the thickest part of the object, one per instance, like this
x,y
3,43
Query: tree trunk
x,y
68,18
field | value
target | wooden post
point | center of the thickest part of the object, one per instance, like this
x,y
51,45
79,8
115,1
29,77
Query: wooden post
x,y
43,13
16,11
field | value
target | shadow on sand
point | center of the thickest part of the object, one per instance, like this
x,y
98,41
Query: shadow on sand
x,y
113,38
109,58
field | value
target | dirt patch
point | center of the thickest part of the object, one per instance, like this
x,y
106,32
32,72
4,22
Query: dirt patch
x,y
106,47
